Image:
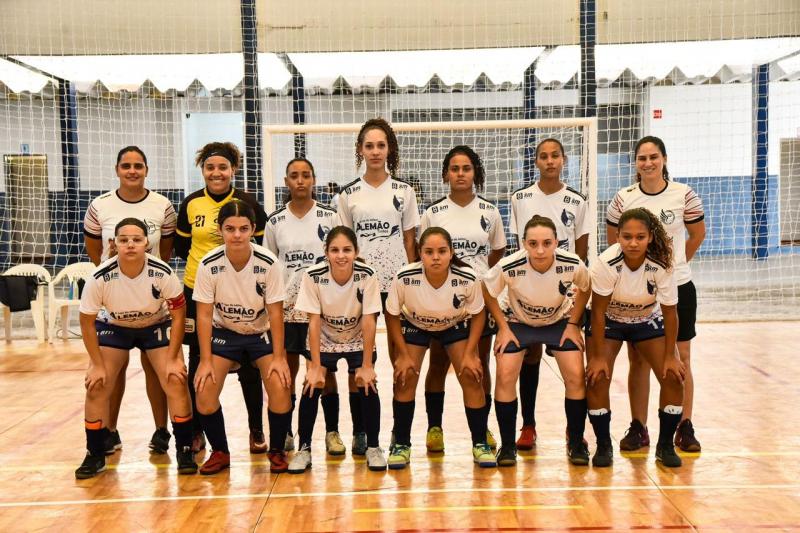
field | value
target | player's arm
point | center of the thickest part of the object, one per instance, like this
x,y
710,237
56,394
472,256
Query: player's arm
x,y
94,248
96,373
697,234
496,255
410,244
165,247
582,245
611,235
598,367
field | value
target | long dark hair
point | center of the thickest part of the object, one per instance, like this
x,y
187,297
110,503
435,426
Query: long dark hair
x,y
393,159
436,230
236,208
659,249
661,148
349,234
479,177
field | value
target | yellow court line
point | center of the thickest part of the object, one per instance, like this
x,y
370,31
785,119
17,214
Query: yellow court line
x,y
468,508
395,492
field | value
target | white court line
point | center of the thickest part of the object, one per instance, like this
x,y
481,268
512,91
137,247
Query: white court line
x,y
392,492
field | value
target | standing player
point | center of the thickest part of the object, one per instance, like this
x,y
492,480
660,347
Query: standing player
x,y
548,289
342,300
132,300
438,298
239,295
295,233
634,295
476,228
567,209
680,211
132,199
197,234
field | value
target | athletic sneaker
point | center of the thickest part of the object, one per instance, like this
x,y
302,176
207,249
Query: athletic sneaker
x,y
112,442
604,454
636,437
434,440
185,459
91,466
527,438
399,456
258,443
159,442
490,440
482,456
666,456
198,442
359,446
334,444
301,461
277,461
578,452
375,459
684,437
217,462
288,444
506,456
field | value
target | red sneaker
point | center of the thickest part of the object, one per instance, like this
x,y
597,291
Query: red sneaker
x,y
277,461
527,438
258,443
218,462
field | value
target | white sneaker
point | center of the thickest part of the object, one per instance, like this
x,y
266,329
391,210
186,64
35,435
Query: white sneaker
x,y
375,459
289,443
334,444
301,461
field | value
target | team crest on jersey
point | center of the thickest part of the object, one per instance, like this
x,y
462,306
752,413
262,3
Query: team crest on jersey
x,y
260,288
485,225
156,293
151,227
322,231
360,295
564,288
458,300
667,216
651,288
619,269
567,218
397,203
564,245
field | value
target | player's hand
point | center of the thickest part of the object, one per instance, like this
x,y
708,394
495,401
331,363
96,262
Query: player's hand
x,y
205,373
472,366
315,379
404,365
281,368
95,377
573,333
674,366
503,338
597,370
177,368
367,378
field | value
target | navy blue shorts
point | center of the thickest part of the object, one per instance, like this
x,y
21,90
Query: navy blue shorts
x,y
687,311
489,326
620,331
294,337
155,336
420,337
354,360
239,348
550,336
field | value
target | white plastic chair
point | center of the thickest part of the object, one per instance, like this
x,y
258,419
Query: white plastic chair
x,y
37,305
61,306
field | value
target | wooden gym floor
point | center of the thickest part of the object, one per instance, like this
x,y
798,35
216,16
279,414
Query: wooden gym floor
x,y
746,479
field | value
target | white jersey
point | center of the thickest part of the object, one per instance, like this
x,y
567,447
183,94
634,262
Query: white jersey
x,y
299,243
431,309
534,298
567,208
340,306
108,209
379,216
132,302
240,298
635,295
476,229
676,206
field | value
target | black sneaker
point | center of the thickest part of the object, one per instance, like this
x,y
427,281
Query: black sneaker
x,y
185,458
685,439
578,452
159,442
665,454
91,466
506,456
636,437
112,442
604,454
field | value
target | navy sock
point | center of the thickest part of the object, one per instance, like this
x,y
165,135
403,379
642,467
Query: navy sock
x,y
214,427
95,441
434,406
528,386
330,408
506,418
601,425
476,420
183,432
576,418
371,414
668,423
250,379
307,417
357,411
403,417
279,424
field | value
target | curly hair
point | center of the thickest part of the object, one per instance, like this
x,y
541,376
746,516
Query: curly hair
x,y
479,174
393,160
660,248
652,139
228,150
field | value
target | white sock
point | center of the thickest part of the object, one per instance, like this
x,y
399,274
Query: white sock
x,y
598,412
673,409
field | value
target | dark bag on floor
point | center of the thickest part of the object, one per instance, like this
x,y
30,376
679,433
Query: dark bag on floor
x,y
16,292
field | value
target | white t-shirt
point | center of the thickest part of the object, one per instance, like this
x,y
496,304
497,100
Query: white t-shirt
x,y
476,229
132,302
635,295
108,209
431,309
567,209
379,216
299,243
538,299
676,206
340,306
240,298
